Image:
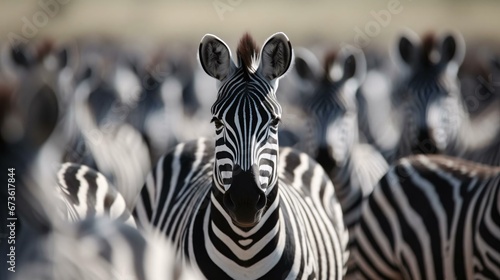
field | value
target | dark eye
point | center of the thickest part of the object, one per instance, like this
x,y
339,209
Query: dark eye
x,y
218,123
275,122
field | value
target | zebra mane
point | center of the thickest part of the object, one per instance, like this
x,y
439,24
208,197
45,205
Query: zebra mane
x,y
44,48
247,53
428,43
328,61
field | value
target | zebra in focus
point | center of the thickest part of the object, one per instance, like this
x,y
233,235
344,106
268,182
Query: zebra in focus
x,y
246,209
431,217
353,166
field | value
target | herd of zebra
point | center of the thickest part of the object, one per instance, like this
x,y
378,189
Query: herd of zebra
x,y
129,165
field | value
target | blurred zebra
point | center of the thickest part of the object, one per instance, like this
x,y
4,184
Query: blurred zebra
x,y
98,249
47,245
354,167
428,85
87,193
246,210
104,140
481,91
158,114
431,217
430,116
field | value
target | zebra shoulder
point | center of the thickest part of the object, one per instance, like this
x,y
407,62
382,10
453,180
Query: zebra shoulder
x,y
187,165
297,167
185,161
299,171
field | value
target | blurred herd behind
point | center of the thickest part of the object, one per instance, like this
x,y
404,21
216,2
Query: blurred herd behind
x,y
119,82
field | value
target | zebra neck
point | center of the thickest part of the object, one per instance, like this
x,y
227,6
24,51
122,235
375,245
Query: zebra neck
x,y
339,172
251,252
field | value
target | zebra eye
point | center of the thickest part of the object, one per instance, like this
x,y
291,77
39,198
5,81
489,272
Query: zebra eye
x,y
218,123
275,122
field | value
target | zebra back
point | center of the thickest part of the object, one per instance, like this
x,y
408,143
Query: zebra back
x,y
431,217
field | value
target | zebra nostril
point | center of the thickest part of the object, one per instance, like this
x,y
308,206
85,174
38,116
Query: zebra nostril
x,y
261,202
229,202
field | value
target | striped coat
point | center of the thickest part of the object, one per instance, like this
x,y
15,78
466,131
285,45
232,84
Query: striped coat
x,y
432,217
177,200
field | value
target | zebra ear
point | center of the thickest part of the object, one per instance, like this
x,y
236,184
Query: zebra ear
x,y
452,48
354,64
306,65
215,57
21,56
407,47
276,56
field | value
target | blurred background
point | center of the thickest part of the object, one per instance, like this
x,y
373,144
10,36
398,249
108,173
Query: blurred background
x,y
180,22
135,61
114,84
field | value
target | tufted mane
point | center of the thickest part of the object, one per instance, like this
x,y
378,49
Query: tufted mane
x,y
247,53
428,43
44,48
329,60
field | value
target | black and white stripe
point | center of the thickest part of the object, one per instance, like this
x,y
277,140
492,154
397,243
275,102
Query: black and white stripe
x,y
87,193
48,245
246,209
104,140
431,217
428,110
354,167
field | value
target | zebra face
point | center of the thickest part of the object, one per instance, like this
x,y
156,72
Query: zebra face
x,y
246,115
332,106
429,98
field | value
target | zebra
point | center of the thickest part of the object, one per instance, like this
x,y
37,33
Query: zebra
x,y
30,117
104,140
354,167
95,240
98,249
432,117
58,242
479,76
86,192
246,209
481,87
431,217
158,114
427,86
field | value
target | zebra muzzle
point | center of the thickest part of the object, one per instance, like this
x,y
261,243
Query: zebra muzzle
x,y
244,200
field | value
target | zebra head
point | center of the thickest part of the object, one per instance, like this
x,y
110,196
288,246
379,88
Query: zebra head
x,y
332,105
429,97
246,115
